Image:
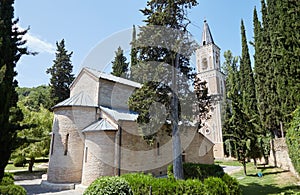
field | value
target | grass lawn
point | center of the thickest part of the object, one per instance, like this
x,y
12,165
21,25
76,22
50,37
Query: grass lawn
x,y
12,168
273,181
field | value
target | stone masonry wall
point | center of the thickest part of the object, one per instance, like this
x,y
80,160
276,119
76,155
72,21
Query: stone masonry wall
x,y
99,155
281,155
67,144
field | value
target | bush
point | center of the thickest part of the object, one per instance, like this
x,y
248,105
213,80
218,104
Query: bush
x,y
8,179
141,183
215,186
198,171
12,190
232,184
293,140
108,185
20,161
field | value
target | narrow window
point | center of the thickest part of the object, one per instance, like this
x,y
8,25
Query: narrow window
x,y
86,154
157,148
52,143
66,144
183,156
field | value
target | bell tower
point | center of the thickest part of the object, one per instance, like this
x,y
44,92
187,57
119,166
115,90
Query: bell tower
x,y
208,68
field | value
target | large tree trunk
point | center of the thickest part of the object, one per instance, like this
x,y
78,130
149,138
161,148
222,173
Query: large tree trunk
x,y
176,142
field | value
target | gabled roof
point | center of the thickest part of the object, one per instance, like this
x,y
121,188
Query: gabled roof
x,y
110,77
80,99
206,35
100,125
120,115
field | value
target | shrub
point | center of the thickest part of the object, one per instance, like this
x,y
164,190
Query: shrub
x,y
198,171
8,179
232,184
20,161
141,183
12,190
293,140
215,186
108,185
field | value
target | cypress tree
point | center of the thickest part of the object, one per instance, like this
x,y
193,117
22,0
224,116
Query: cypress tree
x,y
133,53
61,73
229,69
11,50
120,66
260,85
249,103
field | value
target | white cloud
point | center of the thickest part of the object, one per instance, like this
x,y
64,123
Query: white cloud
x,y
35,44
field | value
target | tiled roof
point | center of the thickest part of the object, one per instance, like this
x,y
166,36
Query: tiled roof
x,y
100,125
110,77
80,99
118,115
206,35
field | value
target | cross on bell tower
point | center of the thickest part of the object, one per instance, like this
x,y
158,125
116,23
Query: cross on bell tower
x,y
208,68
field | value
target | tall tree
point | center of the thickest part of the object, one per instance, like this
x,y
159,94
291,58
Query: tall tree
x,y
61,73
249,103
260,68
133,53
119,65
229,68
164,49
11,50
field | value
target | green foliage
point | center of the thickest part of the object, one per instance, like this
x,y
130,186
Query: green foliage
x,y
35,97
163,50
119,65
35,140
108,185
133,53
20,161
198,171
232,184
215,186
277,59
8,179
61,73
141,183
293,140
12,190
11,50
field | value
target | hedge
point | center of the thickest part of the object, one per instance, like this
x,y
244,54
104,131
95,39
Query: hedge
x,y
199,171
7,186
12,190
293,140
141,184
107,186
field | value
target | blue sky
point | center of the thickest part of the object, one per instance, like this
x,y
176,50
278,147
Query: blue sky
x,y
86,24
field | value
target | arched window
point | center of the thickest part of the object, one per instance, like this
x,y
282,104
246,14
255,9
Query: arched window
x,y
204,63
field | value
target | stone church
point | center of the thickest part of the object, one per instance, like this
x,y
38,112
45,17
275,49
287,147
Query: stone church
x,y
95,134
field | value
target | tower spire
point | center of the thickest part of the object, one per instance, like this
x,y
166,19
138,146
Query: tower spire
x,y
206,35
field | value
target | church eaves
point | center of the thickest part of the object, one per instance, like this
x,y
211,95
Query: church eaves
x,y
206,35
100,125
80,99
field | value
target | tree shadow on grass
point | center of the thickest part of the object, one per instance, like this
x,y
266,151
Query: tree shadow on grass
x,y
257,189
268,173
